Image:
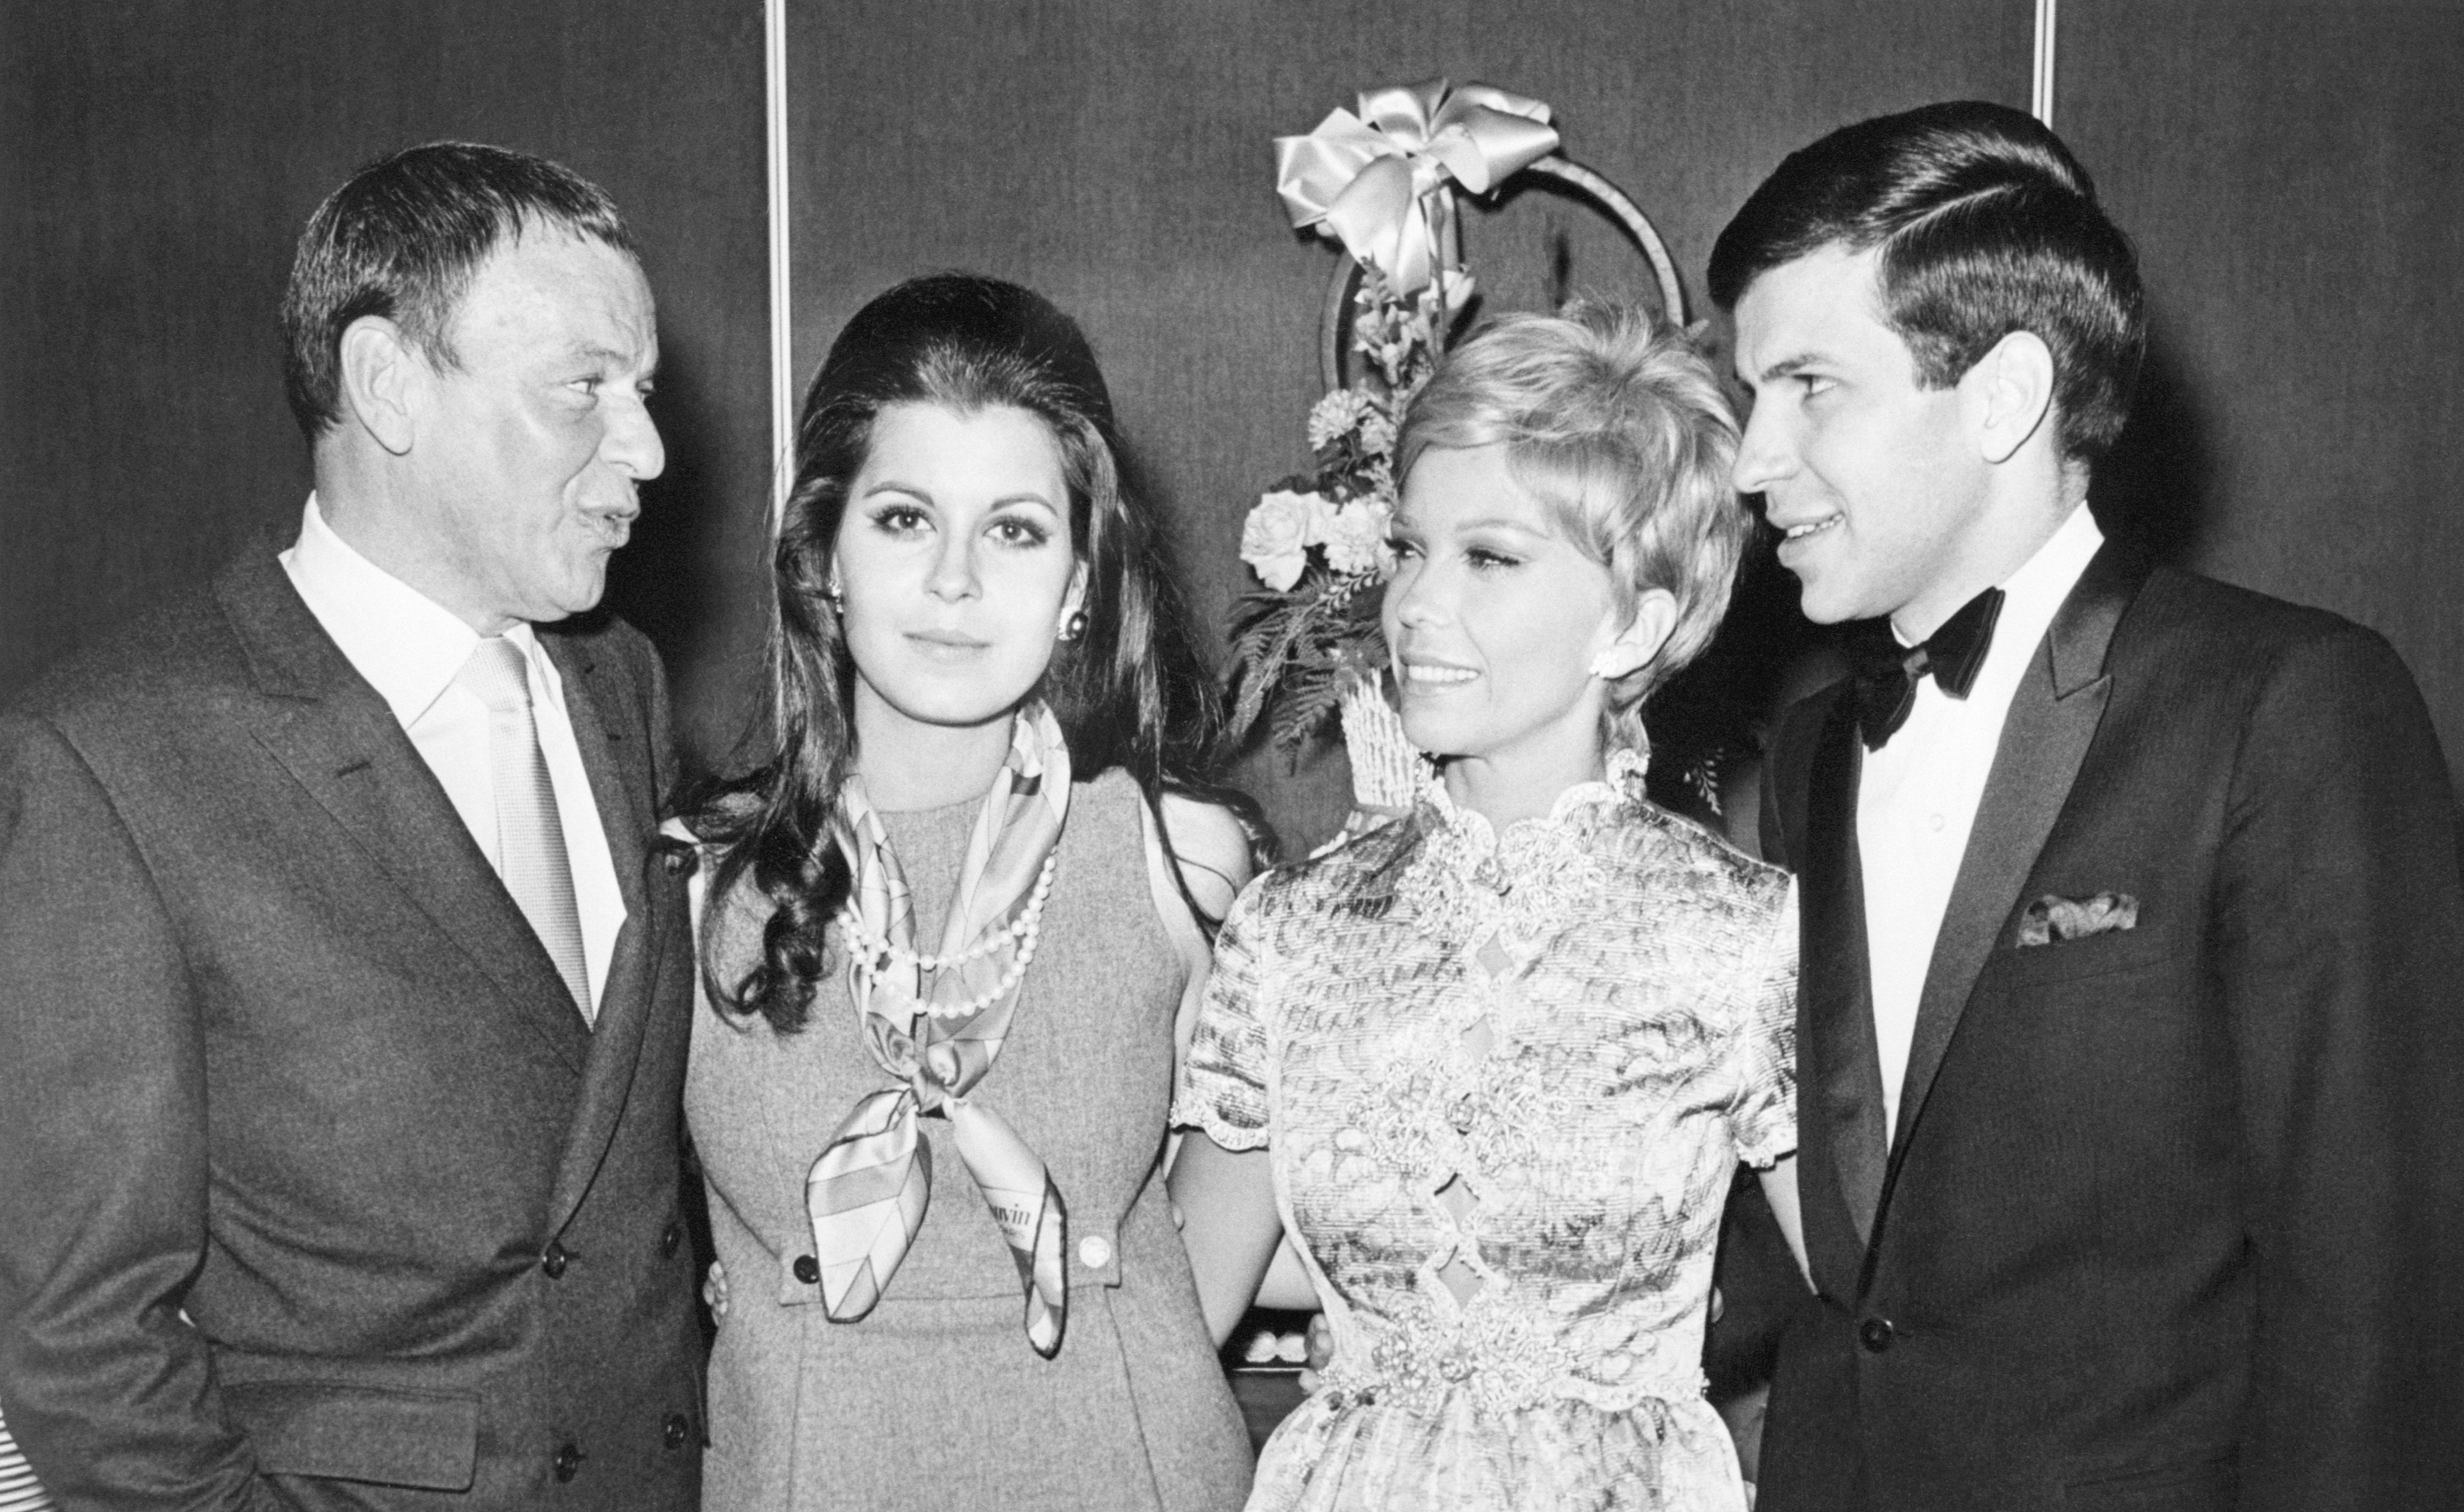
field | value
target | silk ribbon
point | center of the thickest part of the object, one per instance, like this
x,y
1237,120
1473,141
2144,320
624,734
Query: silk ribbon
x,y
1377,182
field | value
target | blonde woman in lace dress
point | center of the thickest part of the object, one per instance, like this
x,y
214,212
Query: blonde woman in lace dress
x,y
1494,1064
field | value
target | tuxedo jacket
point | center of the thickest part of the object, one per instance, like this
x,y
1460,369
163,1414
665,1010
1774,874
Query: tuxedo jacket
x,y
2169,1219
316,1190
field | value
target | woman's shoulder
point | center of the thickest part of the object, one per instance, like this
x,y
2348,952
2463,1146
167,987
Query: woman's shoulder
x,y
1213,849
1216,852
1359,870
1656,846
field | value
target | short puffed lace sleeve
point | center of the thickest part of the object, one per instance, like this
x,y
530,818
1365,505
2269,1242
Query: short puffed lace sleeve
x,y
1223,1081
1764,1119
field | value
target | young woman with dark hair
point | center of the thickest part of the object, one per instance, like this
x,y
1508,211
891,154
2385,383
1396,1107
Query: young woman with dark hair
x,y
951,942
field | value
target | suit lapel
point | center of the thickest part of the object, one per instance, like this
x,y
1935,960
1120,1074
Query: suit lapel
x,y
618,766
340,742
2053,719
1839,1013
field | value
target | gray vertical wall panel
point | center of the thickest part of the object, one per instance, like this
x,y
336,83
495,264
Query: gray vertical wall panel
x,y
2294,177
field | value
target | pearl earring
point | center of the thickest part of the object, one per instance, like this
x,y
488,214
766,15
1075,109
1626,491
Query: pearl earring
x,y
1074,627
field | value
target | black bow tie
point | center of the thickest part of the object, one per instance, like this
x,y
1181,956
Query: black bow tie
x,y
1887,671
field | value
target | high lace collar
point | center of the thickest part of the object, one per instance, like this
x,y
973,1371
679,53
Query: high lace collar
x,y
1470,885
1480,838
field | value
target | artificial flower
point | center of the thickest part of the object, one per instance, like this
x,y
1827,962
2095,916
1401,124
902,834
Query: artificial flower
x,y
1276,538
1377,433
1339,413
1355,537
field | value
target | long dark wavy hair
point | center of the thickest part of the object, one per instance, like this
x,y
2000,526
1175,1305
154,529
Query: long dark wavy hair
x,y
1129,692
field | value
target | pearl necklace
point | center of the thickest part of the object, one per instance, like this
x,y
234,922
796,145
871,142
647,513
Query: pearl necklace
x,y
874,955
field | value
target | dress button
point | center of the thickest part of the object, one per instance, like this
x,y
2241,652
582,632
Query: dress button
x,y
568,1462
553,1260
1934,822
677,1430
808,1270
1094,1252
1875,1334
671,1240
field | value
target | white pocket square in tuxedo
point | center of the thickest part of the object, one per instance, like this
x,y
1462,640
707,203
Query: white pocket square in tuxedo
x,y
2051,920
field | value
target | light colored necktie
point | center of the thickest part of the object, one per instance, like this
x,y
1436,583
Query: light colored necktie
x,y
530,841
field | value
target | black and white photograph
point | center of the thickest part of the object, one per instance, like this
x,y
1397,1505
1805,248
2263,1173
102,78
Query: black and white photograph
x,y
1605,755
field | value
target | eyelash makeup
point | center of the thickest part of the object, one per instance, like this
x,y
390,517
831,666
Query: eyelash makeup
x,y
1009,530
1028,533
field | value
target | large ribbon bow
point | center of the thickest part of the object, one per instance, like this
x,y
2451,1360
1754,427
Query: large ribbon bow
x,y
1377,182
937,1034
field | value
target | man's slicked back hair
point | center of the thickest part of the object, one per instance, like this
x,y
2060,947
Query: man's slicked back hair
x,y
403,239
1984,224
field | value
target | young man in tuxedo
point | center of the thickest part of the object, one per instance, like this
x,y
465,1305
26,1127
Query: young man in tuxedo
x,y
2129,1035
344,997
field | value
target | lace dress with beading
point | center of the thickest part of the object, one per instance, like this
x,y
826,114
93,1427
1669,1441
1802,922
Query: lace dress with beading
x,y
1505,1081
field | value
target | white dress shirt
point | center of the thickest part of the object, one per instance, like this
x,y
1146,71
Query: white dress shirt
x,y
409,648
1917,797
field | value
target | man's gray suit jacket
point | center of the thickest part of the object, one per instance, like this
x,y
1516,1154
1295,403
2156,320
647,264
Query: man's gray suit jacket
x,y
315,1188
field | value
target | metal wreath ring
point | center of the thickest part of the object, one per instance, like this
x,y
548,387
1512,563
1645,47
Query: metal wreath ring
x,y
1627,214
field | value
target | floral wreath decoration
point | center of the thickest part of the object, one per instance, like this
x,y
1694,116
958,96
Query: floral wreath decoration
x,y
1306,647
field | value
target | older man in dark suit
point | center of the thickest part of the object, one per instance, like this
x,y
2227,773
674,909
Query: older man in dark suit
x,y
342,993
2130,1049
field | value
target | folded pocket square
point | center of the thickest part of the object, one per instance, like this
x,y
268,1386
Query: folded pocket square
x,y
2051,919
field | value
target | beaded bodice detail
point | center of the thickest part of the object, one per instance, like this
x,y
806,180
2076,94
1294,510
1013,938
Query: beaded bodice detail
x,y
1505,1078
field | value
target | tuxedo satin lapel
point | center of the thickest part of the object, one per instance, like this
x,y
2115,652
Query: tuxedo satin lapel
x,y
620,785
1836,1025
343,745
2053,719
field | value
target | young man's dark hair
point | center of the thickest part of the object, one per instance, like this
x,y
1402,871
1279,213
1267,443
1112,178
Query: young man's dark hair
x,y
1985,225
402,238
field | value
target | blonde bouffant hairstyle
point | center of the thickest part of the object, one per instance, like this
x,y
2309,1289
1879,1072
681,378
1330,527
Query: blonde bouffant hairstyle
x,y
1616,423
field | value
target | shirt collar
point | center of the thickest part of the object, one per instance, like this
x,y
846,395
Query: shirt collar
x,y
408,647
2033,595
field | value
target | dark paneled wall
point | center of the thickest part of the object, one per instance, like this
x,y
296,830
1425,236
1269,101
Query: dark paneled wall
x,y
2292,172
157,162
2294,176
1118,156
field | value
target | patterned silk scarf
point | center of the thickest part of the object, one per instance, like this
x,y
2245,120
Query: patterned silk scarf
x,y
868,1192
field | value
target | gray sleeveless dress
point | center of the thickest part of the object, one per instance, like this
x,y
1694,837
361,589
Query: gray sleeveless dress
x,y
935,1399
